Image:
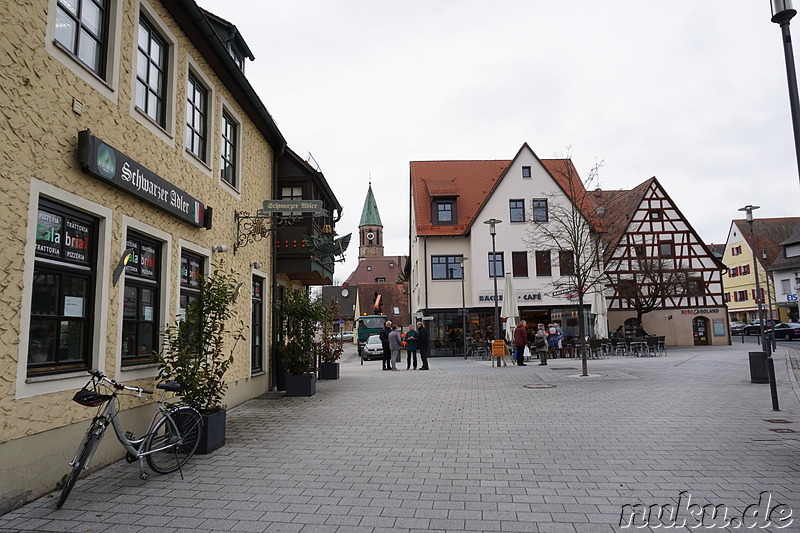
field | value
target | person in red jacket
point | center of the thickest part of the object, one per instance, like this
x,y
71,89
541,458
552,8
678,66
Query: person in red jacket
x,y
520,340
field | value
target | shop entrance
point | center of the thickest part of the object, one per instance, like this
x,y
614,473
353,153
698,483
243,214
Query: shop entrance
x,y
700,331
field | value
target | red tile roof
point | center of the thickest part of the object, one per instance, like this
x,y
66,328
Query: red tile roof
x,y
390,268
473,183
769,233
392,295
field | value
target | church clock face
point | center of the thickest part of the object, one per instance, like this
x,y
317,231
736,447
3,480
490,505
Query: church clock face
x,y
370,235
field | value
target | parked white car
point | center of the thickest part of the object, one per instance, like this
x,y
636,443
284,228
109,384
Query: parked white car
x,y
344,336
373,349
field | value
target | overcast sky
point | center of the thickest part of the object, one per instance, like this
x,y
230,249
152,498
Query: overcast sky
x,y
692,92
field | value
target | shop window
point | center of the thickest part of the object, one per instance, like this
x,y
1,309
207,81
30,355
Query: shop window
x,y
446,267
141,300
64,278
192,272
257,326
519,264
82,30
516,210
151,73
543,266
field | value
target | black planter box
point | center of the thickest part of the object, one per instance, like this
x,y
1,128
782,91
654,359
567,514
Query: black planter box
x,y
213,434
329,371
301,385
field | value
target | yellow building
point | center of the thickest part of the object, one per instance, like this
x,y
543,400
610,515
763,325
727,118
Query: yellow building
x,y
739,280
126,124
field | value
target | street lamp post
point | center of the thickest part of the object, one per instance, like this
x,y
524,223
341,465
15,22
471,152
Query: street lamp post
x,y
463,306
748,209
782,13
493,222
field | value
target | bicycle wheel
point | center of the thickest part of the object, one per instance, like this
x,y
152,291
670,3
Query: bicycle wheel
x,y
83,459
175,437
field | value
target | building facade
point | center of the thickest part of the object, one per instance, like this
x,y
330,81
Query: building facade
x,y
739,280
656,262
134,135
454,265
785,274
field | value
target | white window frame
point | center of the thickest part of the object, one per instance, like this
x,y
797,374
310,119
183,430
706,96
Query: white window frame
x,y
166,133
207,166
108,87
129,223
27,387
235,190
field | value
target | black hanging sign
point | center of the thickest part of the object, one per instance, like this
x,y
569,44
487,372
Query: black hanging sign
x,y
108,164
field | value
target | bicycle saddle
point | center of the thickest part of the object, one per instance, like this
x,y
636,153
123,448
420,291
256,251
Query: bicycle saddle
x,y
171,386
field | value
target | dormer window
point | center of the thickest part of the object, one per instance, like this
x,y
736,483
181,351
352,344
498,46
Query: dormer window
x,y
444,212
237,56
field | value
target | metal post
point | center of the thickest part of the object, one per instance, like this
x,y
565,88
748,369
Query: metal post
x,y
791,76
496,306
463,309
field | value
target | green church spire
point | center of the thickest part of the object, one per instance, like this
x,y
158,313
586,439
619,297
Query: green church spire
x,y
370,215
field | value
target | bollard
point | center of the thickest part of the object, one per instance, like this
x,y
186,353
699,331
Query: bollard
x,y
773,387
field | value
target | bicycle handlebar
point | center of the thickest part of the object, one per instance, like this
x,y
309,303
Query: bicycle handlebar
x,y
118,386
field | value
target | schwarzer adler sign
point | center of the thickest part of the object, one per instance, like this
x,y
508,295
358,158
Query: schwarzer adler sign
x,y
108,164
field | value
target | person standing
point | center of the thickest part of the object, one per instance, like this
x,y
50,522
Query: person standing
x,y
395,345
540,344
520,340
422,345
411,347
384,336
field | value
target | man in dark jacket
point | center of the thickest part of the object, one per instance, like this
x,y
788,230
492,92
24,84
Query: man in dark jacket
x,y
387,353
422,345
520,340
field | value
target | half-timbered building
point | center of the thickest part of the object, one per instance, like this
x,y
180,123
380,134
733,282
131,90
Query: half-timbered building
x,y
660,273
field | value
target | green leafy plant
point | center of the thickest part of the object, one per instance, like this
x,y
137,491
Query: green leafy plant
x,y
330,350
299,314
195,352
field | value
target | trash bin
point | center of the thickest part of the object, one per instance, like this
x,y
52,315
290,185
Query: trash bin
x,y
758,367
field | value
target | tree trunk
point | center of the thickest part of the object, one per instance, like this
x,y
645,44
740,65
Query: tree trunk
x,y
582,333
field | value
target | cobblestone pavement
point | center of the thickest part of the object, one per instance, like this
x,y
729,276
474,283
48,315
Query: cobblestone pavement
x,y
468,447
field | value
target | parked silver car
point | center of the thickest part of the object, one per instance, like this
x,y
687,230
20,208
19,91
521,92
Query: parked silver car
x,y
373,349
344,336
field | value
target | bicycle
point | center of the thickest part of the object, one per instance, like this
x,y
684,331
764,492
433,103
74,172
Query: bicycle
x,y
170,440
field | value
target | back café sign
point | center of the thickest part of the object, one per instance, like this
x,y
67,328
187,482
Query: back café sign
x,y
110,165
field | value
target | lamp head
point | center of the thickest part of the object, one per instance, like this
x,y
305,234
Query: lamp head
x,y
748,209
782,10
492,223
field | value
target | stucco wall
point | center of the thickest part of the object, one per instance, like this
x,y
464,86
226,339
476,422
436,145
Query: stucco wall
x,y
38,155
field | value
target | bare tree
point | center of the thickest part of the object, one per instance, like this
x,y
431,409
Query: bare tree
x,y
569,223
654,279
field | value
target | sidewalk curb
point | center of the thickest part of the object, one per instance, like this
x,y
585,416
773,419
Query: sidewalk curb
x,y
793,354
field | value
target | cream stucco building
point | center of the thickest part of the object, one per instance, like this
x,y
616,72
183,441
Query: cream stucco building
x,y
127,125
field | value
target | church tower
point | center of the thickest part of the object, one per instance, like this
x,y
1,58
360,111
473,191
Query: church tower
x,y
370,229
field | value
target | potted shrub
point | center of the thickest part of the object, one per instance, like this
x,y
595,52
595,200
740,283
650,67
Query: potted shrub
x,y
196,352
299,315
329,350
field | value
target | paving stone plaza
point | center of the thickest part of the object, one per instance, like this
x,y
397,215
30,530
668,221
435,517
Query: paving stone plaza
x,y
470,447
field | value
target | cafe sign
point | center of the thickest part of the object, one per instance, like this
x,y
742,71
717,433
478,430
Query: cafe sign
x,y
112,166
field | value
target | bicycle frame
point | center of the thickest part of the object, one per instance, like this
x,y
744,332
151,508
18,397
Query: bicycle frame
x,y
109,413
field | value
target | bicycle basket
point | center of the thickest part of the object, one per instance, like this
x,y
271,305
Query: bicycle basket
x,y
90,398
